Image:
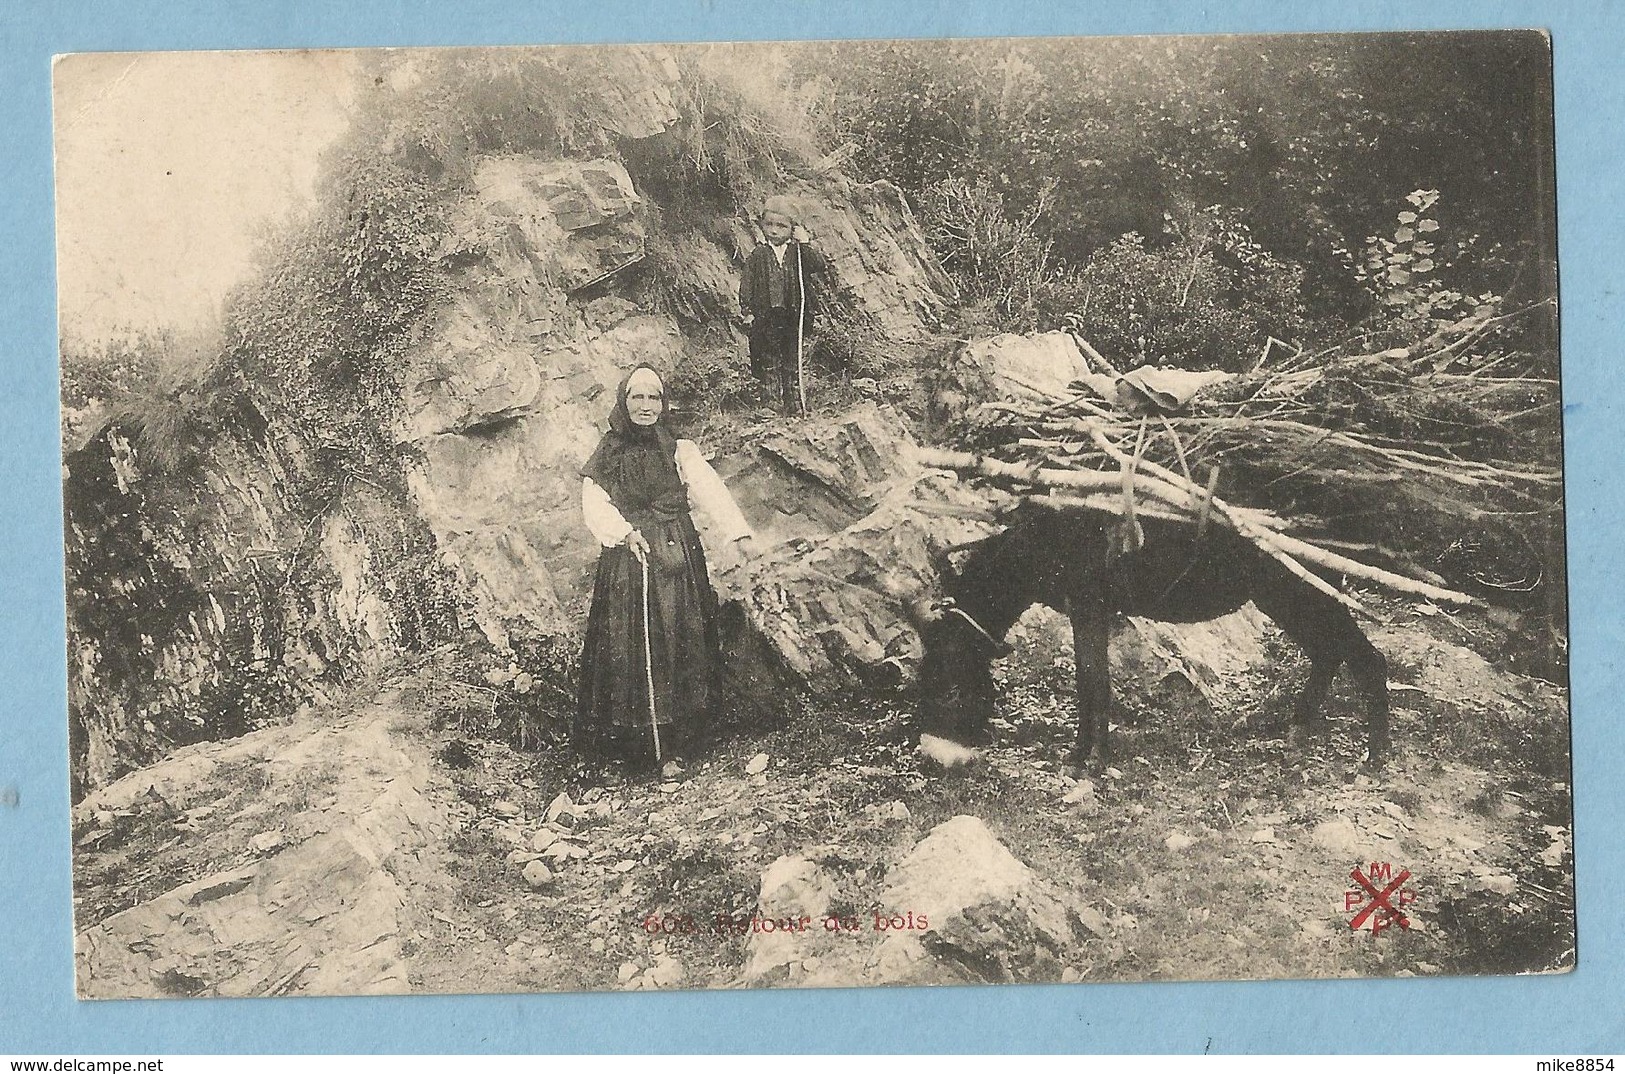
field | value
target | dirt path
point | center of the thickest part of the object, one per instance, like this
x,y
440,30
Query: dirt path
x,y
1206,853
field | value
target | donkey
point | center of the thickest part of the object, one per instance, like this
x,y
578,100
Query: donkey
x,y
1079,563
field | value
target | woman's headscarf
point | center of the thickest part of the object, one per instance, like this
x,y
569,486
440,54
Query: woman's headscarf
x,y
637,464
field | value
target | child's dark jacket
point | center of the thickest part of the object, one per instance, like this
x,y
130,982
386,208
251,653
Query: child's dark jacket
x,y
756,284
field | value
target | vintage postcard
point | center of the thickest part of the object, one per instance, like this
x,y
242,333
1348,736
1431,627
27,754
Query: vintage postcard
x,y
813,514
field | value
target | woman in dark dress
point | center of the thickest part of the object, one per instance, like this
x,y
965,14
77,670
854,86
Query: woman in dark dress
x,y
651,665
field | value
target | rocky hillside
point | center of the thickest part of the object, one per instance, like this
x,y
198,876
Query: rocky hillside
x,y
309,530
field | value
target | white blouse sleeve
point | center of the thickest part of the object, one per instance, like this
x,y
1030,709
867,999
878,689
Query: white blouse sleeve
x,y
707,493
606,523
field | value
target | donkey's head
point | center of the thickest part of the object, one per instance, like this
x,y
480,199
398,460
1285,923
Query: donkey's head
x,y
956,677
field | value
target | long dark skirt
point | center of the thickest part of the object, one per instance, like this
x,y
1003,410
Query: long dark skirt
x,y
614,718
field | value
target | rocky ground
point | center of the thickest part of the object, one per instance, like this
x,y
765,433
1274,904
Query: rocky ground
x,y
385,850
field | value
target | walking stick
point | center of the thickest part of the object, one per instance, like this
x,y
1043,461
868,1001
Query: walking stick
x,y
801,321
648,661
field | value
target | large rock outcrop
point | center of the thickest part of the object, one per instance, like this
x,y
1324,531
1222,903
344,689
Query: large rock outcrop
x,y
855,524
317,827
509,391
209,595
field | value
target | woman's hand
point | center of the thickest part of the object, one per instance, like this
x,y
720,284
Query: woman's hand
x,y
800,234
639,546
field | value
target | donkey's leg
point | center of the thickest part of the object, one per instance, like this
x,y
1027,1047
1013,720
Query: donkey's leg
x,y
1319,626
1370,670
1091,636
1331,637
1306,710
1308,719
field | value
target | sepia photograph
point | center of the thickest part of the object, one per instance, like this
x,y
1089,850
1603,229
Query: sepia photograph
x,y
813,514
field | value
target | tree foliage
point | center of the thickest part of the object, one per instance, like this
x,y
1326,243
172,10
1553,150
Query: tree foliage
x,y
1309,142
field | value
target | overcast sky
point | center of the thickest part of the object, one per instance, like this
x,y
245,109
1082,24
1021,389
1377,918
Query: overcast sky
x,y
168,164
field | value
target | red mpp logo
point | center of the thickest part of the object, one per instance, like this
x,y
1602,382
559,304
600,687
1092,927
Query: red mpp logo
x,y
1384,908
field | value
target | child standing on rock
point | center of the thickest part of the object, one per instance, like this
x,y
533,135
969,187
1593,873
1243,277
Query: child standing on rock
x,y
778,294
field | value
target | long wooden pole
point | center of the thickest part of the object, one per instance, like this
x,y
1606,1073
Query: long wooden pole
x,y
1175,494
1030,473
1283,548
801,328
648,661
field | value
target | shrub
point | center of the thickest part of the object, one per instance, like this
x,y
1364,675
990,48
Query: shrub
x,y
993,257
1406,272
1208,299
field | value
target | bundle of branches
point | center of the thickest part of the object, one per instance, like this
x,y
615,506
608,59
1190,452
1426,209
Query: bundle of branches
x,y
1445,469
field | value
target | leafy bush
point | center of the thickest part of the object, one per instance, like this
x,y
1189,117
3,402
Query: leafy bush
x,y
97,372
1210,299
519,696
148,383
1407,272
995,259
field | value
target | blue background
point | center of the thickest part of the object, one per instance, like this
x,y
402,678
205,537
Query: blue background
x,y
1580,1012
